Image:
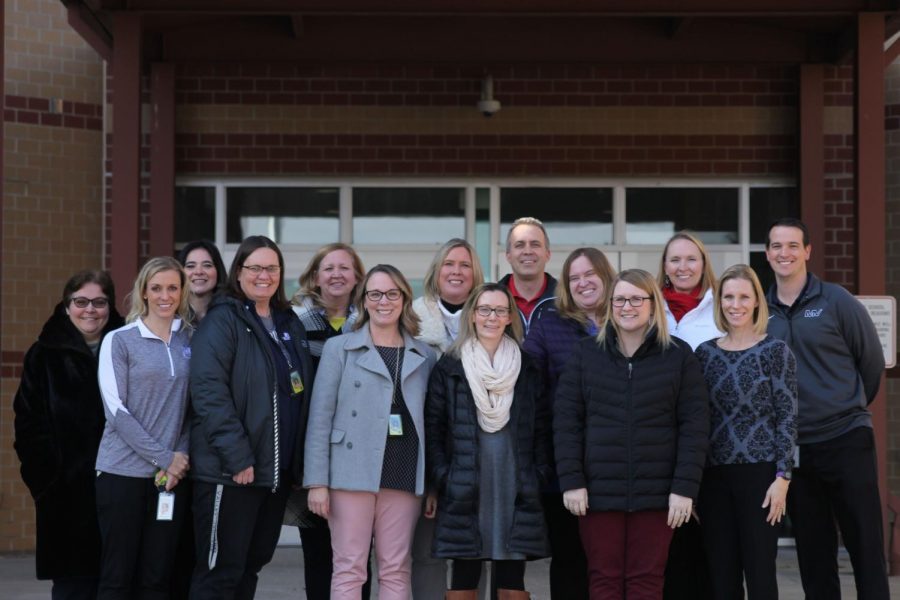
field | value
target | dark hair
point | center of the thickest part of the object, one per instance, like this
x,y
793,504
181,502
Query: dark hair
x,y
789,222
82,278
221,273
249,246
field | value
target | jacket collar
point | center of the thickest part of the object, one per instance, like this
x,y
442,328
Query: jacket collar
x,y
60,332
812,289
361,339
146,333
432,330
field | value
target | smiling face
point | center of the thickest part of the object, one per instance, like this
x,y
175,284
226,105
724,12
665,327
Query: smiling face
x,y
163,294
738,301
684,265
89,321
201,272
262,286
384,313
786,253
456,277
490,329
527,252
335,277
628,318
585,285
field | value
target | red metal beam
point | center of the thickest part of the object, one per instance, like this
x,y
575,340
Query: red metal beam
x,y
162,159
870,201
812,159
126,82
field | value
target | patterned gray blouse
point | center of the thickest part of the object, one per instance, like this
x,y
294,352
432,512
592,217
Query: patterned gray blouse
x,y
753,403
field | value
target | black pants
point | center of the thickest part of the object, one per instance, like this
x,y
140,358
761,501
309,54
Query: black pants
x,y
686,574
509,574
837,480
739,542
138,551
236,530
568,565
317,565
184,553
74,588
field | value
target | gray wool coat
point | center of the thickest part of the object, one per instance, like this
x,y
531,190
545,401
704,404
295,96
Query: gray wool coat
x,y
351,404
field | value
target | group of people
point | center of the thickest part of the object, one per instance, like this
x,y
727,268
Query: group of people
x,y
595,419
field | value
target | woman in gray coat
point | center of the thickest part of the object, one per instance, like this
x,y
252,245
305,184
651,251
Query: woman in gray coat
x,y
365,447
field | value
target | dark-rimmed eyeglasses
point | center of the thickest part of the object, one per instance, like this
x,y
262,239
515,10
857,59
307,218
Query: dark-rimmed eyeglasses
x,y
82,302
376,295
257,269
635,301
484,310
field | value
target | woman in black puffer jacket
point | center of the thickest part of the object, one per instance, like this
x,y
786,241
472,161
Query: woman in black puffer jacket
x,y
485,453
631,420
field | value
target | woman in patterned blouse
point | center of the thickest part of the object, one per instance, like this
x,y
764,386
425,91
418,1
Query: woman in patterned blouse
x,y
753,405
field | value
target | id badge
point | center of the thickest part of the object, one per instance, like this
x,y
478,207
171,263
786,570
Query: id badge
x,y
296,382
395,426
165,508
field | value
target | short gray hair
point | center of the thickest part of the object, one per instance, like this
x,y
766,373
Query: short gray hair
x,y
527,221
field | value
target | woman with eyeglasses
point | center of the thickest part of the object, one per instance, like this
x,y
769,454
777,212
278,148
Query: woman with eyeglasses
x,y
365,447
578,312
631,422
752,379
250,382
143,454
58,425
687,281
325,306
487,455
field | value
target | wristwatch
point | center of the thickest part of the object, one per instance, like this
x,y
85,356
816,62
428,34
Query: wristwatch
x,y
786,475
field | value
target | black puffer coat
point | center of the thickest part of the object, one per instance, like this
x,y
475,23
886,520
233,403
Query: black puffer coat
x,y
59,423
451,438
234,396
631,430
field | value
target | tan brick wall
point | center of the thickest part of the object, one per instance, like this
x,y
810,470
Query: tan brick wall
x,y
52,209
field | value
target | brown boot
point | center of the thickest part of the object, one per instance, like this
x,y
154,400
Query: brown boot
x,y
461,595
512,595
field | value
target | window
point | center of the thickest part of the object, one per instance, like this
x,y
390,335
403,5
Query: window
x,y
407,215
286,215
195,214
654,214
572,216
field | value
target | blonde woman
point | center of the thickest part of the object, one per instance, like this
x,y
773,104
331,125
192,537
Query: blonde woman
x,y
631,423
752,380
365,447
143,374
487,455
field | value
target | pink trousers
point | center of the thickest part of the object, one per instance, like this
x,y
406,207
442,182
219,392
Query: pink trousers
x,y
390,516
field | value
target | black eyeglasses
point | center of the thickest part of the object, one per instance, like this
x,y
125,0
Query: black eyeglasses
x,y
82,302
635,301
257,270
485,311
376,295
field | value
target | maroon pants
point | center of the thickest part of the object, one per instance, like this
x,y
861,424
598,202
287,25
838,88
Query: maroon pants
x,y
626,553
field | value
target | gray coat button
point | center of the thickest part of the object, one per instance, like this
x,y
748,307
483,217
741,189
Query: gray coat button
x,y
349,445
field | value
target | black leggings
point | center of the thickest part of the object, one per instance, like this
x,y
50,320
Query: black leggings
x,y
510,574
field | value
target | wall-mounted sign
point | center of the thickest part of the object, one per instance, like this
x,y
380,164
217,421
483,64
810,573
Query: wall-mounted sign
x,y
883,310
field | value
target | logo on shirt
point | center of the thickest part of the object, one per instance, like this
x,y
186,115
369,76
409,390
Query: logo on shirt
x,y
186,351
812,313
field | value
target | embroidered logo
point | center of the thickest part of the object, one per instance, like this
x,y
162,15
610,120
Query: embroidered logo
x,y
812,313
186,351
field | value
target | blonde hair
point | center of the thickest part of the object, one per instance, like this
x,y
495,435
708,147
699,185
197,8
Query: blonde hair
x,y
467,322
565,302
707,279
409,320
643,280
308,286
150,269
760,313
431,284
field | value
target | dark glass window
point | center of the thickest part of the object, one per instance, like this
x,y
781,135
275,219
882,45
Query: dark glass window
x,y
195,214
408,215
286,215
763,270
768,204
652,215
571,216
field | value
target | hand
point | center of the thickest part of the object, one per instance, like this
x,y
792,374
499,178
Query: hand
x,y
171,481
776,501
679,510
245,477
180,465
576,501
430,506
318,501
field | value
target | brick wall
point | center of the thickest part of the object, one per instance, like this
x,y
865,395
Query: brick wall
x,y
51,208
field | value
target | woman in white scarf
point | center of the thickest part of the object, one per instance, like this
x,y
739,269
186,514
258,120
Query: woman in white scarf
x,y
484,456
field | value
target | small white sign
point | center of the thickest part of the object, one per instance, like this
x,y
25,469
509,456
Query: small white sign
x,y
883,310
